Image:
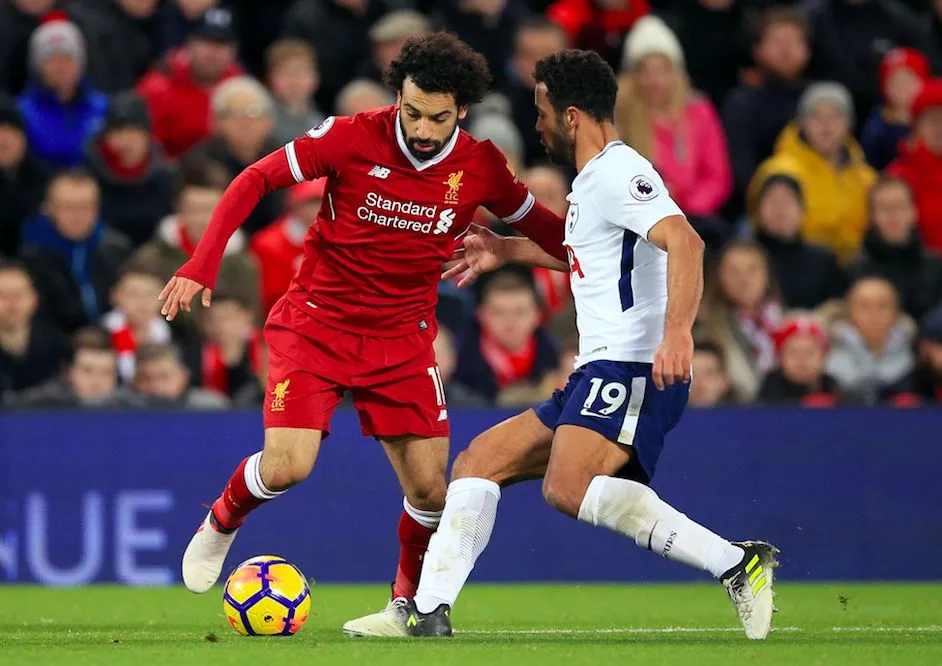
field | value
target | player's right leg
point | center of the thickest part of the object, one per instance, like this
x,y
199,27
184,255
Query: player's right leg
x,y
287,459
514,450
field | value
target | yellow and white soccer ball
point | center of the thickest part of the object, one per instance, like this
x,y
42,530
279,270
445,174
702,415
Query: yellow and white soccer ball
x,y
267,596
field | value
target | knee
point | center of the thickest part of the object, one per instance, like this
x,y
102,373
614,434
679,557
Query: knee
x,y
280,469
429,495
564,492
475,462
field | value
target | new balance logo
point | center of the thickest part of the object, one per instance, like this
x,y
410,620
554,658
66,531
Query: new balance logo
x,y
443,415
445,219
379,172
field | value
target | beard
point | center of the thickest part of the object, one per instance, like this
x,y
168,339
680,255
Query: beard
x,y
560,148
412,143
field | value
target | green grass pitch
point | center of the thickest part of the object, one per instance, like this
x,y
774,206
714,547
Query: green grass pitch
x,y
647,625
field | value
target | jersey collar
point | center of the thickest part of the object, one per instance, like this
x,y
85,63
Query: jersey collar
x,y
421,165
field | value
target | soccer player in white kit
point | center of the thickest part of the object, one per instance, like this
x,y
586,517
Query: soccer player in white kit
x,y
636,270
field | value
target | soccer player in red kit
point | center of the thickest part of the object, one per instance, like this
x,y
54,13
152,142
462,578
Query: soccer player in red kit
x,y
403,184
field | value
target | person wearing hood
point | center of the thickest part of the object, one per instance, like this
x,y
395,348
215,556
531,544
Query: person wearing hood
x,y
178,89
894,250
23,177
871,353
919,162
200,186
60,108
135,177
73,256
902,75
819,151
807,275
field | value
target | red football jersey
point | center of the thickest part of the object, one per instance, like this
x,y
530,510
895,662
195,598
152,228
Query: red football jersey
x,y
389,221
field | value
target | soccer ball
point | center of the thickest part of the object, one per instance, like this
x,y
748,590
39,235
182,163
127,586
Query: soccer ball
x,y
267,596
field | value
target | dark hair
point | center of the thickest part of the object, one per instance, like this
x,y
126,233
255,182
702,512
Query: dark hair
x,y
780,15
158,351
538,23
79,174
707,346
886,181
91,338
581,79
228,295
198,171
138,266
506,280
14,266
441,63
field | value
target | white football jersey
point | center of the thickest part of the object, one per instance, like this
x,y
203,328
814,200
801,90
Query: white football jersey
x,y
619,279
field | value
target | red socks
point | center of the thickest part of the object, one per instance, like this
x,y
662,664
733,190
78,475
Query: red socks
x,y
414,538
238,500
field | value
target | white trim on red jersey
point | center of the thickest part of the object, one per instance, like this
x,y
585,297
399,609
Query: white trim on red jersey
x,y
422,165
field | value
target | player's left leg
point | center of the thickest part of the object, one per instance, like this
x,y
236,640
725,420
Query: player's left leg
x,y
589,455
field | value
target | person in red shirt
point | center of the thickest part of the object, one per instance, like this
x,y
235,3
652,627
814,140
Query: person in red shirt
x,y
403,183
279,247
178,89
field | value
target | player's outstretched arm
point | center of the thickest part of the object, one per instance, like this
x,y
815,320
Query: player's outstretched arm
x,y
483,251
684,248
546,229
199,273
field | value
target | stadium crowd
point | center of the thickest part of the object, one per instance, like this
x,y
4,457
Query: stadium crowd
x,y
803,140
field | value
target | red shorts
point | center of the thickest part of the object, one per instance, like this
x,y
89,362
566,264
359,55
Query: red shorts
x,y
397,389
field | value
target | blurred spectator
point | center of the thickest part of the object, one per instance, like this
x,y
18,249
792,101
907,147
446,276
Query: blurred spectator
x,y
135,320
90,381
164,380
18,20
31,349
849,38
740,312
872,349
387,36
902,75
279,248
711,386
894,250
714,36
927,379
548,186
243,122
339,32
501,131
293,78
446,354
177,19
756,112
59,106
568,353
135,177
920,162
23,177
597,24
73,255
253,394
229,357
488,26
801,345
506,345
807,274
819,152
201,184
679,131
362,95
179,87
536,38
120,37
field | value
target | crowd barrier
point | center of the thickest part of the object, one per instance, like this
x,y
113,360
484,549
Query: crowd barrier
x,y
89,497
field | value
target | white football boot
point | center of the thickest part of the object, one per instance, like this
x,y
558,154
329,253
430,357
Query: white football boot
x,y
388,623
749,585
204,556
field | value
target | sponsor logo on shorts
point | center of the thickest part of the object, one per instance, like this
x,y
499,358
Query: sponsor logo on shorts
x,y
278,396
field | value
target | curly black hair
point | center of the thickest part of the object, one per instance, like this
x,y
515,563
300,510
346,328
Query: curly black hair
x,y
581,79
441,63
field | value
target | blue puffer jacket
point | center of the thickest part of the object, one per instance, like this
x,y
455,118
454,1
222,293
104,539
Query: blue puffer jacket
x,y
57,131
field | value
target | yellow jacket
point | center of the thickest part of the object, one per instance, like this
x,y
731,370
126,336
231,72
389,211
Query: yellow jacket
x,y
836,204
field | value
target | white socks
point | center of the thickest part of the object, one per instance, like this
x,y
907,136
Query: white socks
x,y
634,510
427,519
465,529
253,479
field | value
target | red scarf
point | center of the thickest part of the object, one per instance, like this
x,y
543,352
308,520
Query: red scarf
x,y
186,241
113,161
509,368
215,373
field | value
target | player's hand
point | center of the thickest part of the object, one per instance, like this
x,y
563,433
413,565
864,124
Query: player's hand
x,y
673,359
178,295
481,251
